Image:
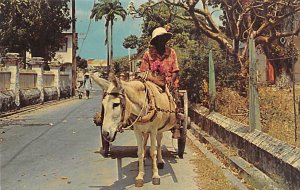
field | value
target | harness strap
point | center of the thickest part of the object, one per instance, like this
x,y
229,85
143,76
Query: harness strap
x,y
125,124
152,112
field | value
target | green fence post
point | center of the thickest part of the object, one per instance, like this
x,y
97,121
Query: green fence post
x,y
212,84
254,111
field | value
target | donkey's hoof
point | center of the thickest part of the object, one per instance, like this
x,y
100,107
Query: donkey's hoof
x,y
139,182
160,165
156,181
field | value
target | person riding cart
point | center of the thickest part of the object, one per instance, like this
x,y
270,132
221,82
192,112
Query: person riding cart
x,y
160,63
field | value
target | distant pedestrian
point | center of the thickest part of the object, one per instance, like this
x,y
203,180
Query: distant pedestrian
x,y
87,83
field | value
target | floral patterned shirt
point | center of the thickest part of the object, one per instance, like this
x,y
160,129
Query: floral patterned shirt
x,y
163,65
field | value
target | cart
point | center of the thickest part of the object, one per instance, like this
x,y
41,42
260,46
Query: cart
x,y
184,122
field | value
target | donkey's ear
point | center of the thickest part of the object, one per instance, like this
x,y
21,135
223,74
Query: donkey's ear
x,y
101,82
113,79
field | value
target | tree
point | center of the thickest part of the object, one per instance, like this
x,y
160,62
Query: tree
x,y
34,26
191,47
109,9
81,63
241,19
130,42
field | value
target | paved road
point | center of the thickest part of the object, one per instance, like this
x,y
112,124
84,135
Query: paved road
x,y
57,148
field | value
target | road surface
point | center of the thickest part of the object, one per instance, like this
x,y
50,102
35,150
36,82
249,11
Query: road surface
x,y
57,148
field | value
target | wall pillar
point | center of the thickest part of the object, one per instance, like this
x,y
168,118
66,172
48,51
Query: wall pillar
x,y
37,66
55,68
68,70
12,63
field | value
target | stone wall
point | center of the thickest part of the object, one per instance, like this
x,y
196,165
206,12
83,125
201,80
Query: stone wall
x,y
7,101
65,92
50,93
277,159
26,86
29,97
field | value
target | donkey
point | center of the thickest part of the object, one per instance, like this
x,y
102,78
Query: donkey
x,y
141,106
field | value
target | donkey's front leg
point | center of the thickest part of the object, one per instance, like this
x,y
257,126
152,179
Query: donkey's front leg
x,y
153,153
139,180
160,162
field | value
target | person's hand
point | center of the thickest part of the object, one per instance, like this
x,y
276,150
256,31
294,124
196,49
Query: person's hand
x,y
171,86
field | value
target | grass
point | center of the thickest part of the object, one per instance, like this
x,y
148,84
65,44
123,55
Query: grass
x,y
276,108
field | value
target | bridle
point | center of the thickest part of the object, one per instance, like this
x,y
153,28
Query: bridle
x,y
127,123
128,119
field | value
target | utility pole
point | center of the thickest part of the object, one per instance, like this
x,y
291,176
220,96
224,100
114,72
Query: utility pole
x,y
74,47
254,110
212,83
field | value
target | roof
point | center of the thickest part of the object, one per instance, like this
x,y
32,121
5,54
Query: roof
x,y
96,62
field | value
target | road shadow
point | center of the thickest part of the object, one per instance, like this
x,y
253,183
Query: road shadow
x,y
127,174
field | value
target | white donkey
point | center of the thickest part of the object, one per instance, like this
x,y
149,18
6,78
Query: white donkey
x,y
141,106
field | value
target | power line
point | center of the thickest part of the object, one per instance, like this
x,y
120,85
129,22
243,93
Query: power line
x,y
88,29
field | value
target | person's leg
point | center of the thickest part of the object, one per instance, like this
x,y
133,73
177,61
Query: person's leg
x,y
88,94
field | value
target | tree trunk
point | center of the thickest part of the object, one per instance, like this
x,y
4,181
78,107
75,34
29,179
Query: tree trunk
x,y
107,48
244,79
111,44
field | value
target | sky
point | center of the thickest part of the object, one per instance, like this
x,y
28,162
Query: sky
x,y
93,46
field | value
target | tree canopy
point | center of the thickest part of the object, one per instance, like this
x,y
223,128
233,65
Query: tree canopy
x,y
241,19
191,47
108,9
81,63
34,26
130,42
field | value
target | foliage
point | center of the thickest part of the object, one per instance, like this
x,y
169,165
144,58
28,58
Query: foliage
x,y
241,19
121,65
130,42
81,63
108,9
33,25
192,50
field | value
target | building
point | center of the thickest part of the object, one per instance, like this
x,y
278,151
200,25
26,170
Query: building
x,y
266,71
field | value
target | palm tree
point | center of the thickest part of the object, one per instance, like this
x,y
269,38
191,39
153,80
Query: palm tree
x,y
109,9
130,42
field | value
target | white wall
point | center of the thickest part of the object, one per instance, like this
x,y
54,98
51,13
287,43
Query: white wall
x,y
65,56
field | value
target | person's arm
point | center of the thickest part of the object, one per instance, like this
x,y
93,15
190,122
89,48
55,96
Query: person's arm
x,y
175,68
174,76
145,63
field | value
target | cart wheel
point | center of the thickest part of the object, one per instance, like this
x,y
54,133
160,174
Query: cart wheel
x,y
181,142
105,145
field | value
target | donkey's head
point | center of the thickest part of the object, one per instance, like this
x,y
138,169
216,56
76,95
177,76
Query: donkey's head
x,y
113,106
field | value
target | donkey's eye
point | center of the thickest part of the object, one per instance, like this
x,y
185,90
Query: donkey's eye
x,y
116,105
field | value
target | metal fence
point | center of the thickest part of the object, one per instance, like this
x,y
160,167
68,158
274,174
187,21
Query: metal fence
x,y
5,80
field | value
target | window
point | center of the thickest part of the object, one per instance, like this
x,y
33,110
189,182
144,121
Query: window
x,y
63,46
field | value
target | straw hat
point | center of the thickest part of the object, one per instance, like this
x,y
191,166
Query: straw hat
x,y
160,31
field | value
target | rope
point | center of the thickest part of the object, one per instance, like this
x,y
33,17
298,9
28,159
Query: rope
x,y
139,115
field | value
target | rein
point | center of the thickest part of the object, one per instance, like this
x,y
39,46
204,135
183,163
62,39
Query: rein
x,y
127,123
123,126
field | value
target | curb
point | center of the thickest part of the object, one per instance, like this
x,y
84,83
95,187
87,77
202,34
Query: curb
x,y
36,106
247,171
228,174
